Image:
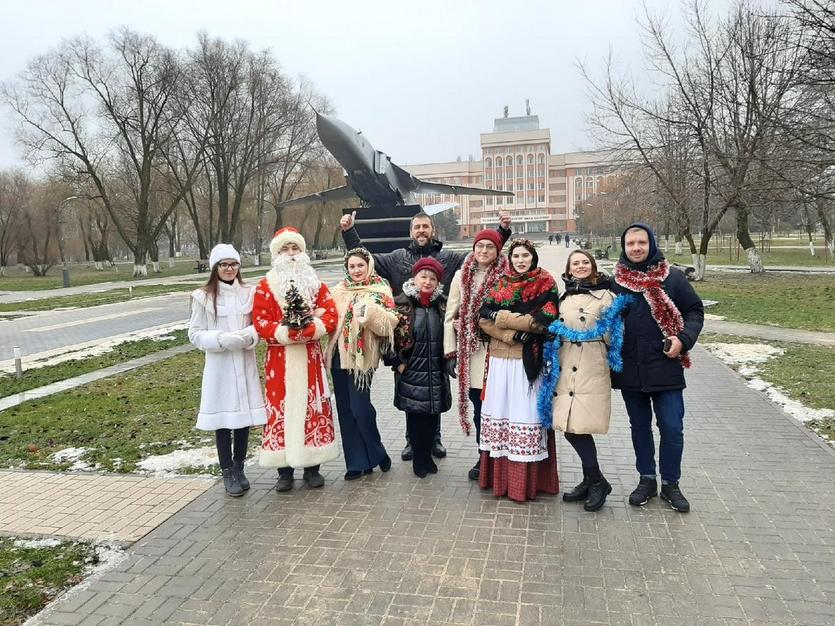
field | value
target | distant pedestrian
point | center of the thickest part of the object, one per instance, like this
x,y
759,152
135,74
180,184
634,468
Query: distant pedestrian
x,y
567,241
364,333
463,342
550,239
518,454
558,238
661,327
231,397
292,311
421,382
576,394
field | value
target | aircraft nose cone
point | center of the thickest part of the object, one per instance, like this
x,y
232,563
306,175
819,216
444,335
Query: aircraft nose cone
x,y
329,130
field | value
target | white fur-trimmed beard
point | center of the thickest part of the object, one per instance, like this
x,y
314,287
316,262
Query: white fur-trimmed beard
x,y
296,268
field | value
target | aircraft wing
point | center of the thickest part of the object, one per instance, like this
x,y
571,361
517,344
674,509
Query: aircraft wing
x,y
337,193
434,209
423,186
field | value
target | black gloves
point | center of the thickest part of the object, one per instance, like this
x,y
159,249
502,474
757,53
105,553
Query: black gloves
x,y
488,313
522,337
450,365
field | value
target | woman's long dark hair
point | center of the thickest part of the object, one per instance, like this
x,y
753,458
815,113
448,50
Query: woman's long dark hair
x,y
211,286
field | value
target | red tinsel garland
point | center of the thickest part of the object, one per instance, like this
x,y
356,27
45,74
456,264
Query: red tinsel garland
x,y
468,330
664,311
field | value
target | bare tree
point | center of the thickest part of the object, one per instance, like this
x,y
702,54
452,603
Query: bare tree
x,y
15,188
111,113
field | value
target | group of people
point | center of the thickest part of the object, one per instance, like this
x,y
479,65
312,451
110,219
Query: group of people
x,y
528,359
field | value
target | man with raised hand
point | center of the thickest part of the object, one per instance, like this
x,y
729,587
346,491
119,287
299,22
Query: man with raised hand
x,y
396,267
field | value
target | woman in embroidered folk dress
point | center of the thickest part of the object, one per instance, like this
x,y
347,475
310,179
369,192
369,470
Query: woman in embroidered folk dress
x,y
518,457
590,327
464,348
364,332
231,398
421,385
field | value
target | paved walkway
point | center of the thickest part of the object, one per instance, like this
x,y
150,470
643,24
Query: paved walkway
x,y
758,547
775,333
91,506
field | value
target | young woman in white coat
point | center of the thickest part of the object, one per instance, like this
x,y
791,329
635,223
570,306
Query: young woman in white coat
x,y
231,399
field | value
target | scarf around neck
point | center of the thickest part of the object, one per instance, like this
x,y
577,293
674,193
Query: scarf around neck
x,y
469,333
365,347
663,309
533,293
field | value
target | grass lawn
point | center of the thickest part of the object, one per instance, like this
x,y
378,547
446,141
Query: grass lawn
x,y
804,372
126,417
41,376
83,274
122,419
775,258
110,296
30,577
789,300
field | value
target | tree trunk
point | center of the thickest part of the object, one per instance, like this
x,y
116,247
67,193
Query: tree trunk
x,y
700,264
827,228
743,236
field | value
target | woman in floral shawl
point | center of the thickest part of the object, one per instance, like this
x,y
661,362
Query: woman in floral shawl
x,y
518,454
363,334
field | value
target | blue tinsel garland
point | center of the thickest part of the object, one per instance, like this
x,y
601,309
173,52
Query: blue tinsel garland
x,y
610,321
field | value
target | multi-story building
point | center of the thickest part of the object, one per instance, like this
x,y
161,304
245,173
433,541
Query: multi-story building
x,y
548,188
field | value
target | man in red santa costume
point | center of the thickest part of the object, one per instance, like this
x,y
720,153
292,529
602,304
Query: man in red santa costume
x,y
299,431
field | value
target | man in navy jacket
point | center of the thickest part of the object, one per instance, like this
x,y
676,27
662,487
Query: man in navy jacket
x,y
661,326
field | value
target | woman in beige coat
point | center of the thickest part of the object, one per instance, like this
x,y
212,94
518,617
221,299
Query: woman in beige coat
x,y
465,348
588,319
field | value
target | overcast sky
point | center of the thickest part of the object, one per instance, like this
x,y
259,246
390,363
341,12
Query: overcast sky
x,y
420,78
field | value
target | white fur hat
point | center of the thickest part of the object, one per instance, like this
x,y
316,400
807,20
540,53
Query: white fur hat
x,y
286,235
223,251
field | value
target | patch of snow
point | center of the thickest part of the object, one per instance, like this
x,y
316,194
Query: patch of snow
x,y
163,464
743,353
73,454
711,316
746,356
708,303
48,542
109,555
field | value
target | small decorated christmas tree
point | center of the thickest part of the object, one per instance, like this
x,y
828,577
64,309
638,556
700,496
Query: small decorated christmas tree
x,y
296,311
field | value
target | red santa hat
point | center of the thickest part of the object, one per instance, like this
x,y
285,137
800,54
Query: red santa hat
x,y
285,235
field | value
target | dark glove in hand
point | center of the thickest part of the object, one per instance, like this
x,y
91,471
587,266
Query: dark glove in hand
x,y
488,313
450,365
522,336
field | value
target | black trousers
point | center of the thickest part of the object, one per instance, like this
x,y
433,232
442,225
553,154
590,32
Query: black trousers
x,y
421,430
231,445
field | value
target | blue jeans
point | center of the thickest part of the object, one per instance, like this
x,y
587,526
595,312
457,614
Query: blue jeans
x,y
669,415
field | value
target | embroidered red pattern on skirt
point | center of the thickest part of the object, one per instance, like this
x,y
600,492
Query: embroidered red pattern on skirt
x,y
511,437
521,481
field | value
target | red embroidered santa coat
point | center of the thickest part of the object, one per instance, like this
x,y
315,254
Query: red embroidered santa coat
x,y
299,430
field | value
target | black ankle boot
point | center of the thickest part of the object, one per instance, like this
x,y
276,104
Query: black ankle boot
x,y
580,492
599,488
238,468
231,484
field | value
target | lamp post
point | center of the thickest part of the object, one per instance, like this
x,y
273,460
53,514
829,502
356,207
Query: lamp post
x,y
65,271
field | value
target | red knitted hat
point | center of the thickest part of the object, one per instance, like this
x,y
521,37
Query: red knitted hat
x,y
489,235
428,263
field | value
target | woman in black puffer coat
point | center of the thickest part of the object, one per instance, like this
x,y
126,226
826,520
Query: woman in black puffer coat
x,y
421,383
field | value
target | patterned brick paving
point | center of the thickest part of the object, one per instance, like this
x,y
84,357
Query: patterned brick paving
x,y
758,547
90,506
